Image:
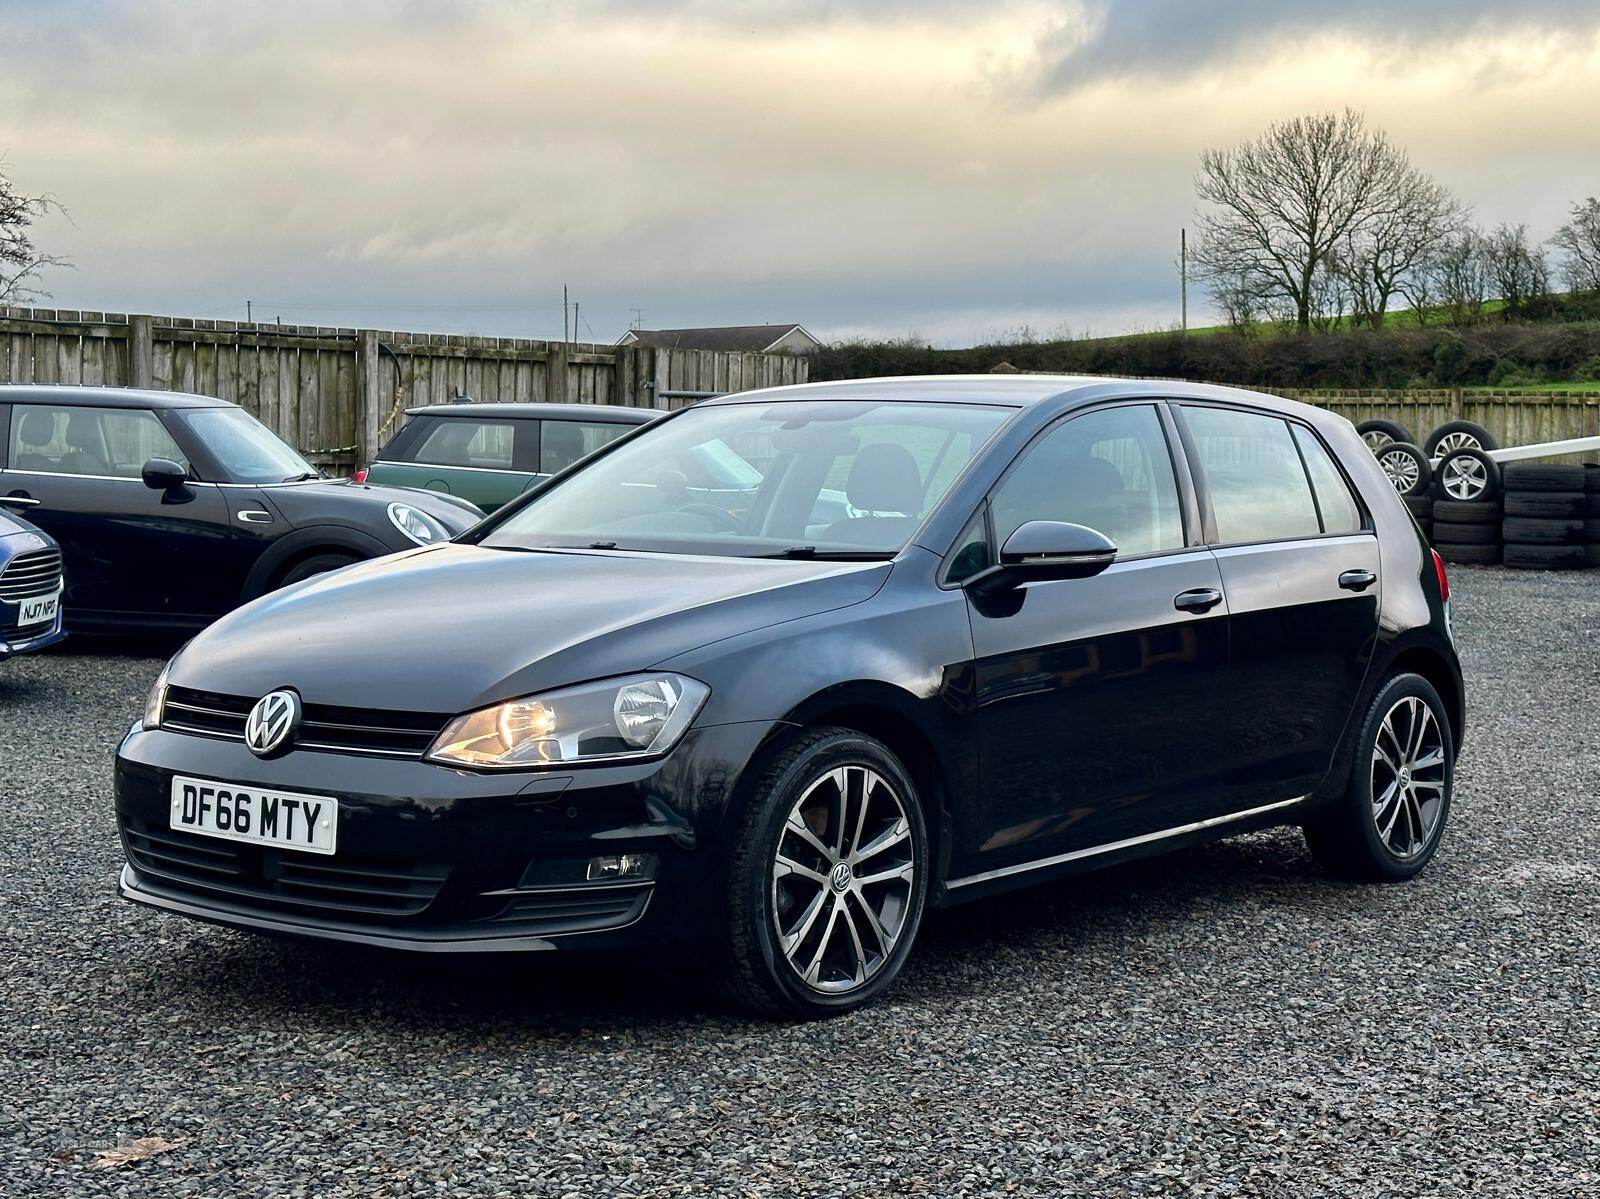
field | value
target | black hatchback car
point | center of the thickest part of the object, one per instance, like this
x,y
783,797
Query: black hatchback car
x,y
1058,623
172,509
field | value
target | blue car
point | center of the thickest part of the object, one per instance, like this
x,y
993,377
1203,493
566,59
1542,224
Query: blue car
x,y
30,587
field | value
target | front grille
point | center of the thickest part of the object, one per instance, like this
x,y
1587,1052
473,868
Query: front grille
x,y
35,573
351,887
322,726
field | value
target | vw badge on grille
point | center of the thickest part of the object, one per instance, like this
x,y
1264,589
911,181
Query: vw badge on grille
x,y
275,716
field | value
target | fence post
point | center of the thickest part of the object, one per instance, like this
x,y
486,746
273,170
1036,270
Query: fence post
x,y
141,351
555,374
1457,403
370,406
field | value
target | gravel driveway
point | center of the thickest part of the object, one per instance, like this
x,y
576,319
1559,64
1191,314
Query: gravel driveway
x,y
1221,1022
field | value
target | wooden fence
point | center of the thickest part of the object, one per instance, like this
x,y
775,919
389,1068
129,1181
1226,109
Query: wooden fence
x,y
1514,417
338,394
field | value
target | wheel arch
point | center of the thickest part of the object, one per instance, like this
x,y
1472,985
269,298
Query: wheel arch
x,y
886,713
1432,664
303,543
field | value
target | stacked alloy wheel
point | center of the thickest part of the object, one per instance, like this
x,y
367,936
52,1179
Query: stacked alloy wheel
x,y
1591,514
1545,507
1466,516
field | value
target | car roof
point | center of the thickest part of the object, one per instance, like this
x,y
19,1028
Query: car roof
x,y
1016,391
104,397
601,413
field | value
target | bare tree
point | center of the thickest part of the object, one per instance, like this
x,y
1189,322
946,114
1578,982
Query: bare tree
x,y
20,260
1579,243
1406,228
1283,204
1461,273
1517,267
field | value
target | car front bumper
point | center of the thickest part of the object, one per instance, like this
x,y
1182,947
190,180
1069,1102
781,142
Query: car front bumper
x,y
12,643
436,859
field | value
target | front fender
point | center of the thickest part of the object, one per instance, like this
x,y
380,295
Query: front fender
x,y
310,539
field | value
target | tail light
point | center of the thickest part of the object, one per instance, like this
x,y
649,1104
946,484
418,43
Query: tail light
x,y
1444,577
361,477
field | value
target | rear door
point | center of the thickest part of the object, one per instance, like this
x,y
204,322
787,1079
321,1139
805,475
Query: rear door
x,y
1300,567
485,459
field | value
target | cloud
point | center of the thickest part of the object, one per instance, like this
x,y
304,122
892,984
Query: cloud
x,y
883,166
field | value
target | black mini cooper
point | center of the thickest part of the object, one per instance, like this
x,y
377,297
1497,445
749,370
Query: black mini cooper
x,y
954,635
172,509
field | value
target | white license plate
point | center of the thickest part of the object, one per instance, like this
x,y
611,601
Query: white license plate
x,y
241,812
39,610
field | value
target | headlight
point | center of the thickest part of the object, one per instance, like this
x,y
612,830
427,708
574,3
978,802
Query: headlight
x,y
155,704
417,525
633,717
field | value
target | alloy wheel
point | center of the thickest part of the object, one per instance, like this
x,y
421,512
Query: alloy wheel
x,y
1376,439
1464,477
1456,441
1402,470
843,876
1409,776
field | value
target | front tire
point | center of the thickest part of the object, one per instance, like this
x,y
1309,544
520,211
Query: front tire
x,y
1387,825
316,564
828,879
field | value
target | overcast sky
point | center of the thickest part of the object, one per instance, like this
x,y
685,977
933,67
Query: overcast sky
x,y
943,168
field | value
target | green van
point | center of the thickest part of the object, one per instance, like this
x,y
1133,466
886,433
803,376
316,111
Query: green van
x,y
491,453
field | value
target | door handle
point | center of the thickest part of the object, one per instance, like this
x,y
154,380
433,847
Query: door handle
x,y
1357,580
1198,599
19,499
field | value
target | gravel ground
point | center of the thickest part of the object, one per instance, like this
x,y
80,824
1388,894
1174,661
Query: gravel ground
x,y
1221,1022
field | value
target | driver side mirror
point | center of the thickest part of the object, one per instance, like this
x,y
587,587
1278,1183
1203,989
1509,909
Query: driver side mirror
x,y
1043,550
163,474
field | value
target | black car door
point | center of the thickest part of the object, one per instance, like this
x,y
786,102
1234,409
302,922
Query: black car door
x,y
1301,568
1101,701
130,553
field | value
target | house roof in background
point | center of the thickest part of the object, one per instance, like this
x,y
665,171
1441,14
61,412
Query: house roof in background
x,y
737,338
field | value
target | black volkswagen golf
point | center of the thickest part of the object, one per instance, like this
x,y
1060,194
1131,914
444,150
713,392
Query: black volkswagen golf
x,y
1056,623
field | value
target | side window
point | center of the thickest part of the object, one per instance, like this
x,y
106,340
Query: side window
x,y
88,441
1334,501
972,551
486,445
1259,489
563,442
1110,470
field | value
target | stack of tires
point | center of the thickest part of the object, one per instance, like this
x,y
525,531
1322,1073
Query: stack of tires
x,y
1545,509
1591,514
1467,516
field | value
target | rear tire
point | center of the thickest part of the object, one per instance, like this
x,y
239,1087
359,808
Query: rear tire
x,y
1387,825
806,937
316,564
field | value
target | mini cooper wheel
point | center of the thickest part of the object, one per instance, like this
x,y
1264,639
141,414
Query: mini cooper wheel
x,y
829,878
1388,823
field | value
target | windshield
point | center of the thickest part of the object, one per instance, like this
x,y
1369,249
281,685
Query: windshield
x,y
834,477
245,448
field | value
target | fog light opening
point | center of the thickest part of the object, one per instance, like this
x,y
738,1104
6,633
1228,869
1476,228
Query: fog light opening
x,y
616,867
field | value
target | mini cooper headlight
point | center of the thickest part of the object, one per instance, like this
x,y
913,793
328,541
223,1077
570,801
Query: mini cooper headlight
x,y
417,525
633,717
155,704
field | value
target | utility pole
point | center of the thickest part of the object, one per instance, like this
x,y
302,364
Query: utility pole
x,y
247,310
574,320
565,337
1183,274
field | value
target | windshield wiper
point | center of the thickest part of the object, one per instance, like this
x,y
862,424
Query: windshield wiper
x,y
811,551
310,474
